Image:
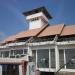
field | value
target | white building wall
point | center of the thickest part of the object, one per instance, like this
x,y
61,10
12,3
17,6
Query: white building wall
x,y
37,20
48,47
40,14
35,24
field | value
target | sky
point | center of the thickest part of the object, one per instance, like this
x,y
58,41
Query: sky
x,y
13,21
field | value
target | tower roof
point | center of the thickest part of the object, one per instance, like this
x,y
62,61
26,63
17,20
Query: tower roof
x,y
37,10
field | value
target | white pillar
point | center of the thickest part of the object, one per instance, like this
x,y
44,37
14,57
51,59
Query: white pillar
x,y
36,59
57,57
29,51
64,58
27,71
20,69
49,58
0,69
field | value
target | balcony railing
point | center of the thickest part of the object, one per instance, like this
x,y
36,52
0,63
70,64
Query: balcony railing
x,y
66,39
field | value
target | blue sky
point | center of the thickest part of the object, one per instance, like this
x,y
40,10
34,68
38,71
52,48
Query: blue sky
x,y
12,21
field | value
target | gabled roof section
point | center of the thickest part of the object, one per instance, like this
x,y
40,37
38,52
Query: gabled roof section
x,y
28,33
24,34
68,30
52,30
9,39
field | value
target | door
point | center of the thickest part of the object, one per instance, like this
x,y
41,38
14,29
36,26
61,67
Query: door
x,y
30,68
10,69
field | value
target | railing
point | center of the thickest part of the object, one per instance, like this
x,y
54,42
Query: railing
x,y
64,65
42,39
66,39
12,44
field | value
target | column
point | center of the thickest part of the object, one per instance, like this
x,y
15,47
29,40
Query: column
x,y
64,58
57,57
20,69
29,51
49,59
0,69
36,59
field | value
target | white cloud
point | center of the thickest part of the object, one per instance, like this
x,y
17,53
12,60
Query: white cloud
x,y
2,35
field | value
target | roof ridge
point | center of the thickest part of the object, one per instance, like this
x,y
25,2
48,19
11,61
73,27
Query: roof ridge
x,y
62,29
42,29
30,39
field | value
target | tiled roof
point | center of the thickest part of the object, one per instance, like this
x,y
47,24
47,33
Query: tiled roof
x,y
59,29
52,30
23,34
28,33
68,30
9,39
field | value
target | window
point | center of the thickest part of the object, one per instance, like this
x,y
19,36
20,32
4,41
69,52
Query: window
x,y
17,56
43,58
18,52
61,58
25,51
5,53
13,53
52,58
70,58
0,54
12,56
34,19
34,55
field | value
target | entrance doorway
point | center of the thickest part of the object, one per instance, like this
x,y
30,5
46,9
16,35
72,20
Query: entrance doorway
x,y
10,69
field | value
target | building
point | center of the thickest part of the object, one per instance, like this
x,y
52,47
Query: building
x,y
44,49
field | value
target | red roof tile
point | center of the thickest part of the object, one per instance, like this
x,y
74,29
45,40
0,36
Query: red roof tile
x,y
28,33
52,30
59,29
68,30
10,39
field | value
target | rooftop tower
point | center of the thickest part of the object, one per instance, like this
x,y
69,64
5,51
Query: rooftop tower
x,y
37,17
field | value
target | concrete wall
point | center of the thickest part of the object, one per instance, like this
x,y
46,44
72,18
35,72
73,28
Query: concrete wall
x,y
36,24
